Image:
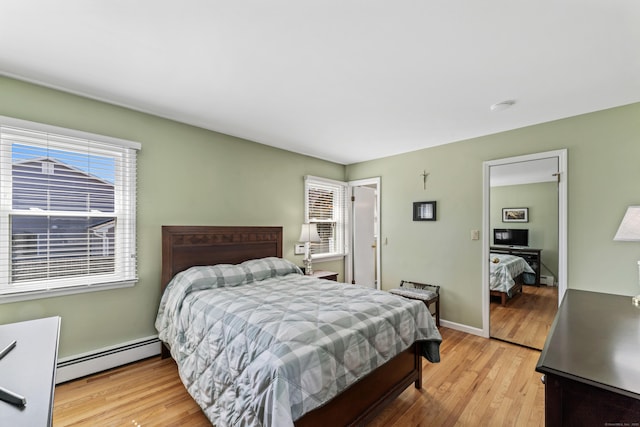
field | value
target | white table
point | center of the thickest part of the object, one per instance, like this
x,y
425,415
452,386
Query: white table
x,y
30,370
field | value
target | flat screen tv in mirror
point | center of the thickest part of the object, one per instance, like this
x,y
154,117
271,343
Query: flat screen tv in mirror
x,y
511,236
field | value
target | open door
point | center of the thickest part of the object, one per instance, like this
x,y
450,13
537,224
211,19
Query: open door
x,y
364,236
363,263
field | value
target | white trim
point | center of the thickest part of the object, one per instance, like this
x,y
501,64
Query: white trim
x,y
340,236
486,242
80,365
327,180
463,328
41,127
58,292
563,229
349,230
365,181
562,224
123,154
327,257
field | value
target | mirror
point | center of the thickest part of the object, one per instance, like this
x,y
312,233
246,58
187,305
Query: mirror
x,y
524,249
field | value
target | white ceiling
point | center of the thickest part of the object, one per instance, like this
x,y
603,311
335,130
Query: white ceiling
x,y
341,80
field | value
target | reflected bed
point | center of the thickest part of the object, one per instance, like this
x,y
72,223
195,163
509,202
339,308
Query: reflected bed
x,y
506,275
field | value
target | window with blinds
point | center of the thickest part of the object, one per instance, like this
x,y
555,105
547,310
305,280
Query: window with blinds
x,y
325,206
67,209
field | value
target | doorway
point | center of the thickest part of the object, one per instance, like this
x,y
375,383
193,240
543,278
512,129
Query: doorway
x,y
363,260
524,196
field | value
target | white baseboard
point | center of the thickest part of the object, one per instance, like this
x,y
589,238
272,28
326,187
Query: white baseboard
x,y
73,367
462,328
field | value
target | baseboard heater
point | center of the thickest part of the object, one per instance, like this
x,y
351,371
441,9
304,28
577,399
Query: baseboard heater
x,y
73,367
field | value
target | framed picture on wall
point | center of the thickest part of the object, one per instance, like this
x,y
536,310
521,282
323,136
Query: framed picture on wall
x,y
515,214
424,211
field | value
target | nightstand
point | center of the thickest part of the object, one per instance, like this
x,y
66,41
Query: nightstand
x,y
327,275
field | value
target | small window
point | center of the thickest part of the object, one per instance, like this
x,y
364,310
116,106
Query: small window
x,y
325,206
67,215
47,168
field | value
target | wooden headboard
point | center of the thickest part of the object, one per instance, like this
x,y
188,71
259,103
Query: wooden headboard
x,y
188,246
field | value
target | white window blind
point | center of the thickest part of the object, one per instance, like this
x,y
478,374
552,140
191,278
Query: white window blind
x,y
325,206
67,209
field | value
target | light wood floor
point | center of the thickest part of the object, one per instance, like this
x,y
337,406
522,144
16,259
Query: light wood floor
x,y
479,382
527,317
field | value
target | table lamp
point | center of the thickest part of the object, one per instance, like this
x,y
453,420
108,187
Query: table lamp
x,y
629,231
308,235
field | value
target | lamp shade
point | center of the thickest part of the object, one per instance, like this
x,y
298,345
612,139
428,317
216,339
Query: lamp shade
x,y
309,233
629,229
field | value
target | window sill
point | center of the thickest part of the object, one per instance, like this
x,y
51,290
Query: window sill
x,y
31,295
330,257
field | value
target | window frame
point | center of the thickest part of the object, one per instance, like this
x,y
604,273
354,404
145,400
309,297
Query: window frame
x,y
123,152
340,217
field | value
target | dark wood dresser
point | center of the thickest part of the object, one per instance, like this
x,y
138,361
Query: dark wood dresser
x,y
591,362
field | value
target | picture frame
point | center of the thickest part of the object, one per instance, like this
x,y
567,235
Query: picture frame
x,y
515,214
424,211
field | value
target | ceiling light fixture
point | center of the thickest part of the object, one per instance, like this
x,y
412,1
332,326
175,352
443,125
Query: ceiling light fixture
x,y
500,106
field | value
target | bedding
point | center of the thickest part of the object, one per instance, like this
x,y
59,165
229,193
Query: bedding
x,y
261,344
502,273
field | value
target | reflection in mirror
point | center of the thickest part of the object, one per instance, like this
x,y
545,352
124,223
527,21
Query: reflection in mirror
x,y
524,243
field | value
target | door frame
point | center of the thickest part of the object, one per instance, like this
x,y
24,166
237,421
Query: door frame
x,y
375,182
562,224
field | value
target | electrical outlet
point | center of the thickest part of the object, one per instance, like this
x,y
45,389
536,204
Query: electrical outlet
x,y
298,249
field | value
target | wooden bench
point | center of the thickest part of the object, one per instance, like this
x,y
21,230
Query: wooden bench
x,y
429,294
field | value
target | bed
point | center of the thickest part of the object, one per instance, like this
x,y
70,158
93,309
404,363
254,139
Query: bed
x,y
506,275
345,396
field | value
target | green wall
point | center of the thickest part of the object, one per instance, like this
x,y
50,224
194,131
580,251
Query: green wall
x,y
542,200
186,176
189,175
603,179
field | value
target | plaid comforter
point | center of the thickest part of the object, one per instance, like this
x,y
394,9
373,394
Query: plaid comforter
x,y
259,344
503,273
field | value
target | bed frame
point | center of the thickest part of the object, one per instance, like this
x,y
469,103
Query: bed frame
x,y
503,295
187,246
